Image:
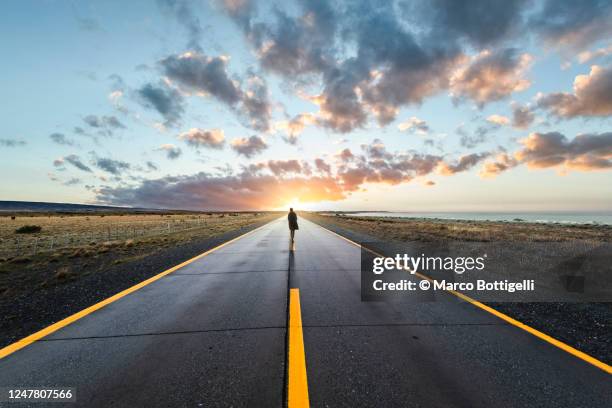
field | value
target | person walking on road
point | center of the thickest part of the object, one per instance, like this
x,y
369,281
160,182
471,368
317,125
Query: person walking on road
x,y
293,225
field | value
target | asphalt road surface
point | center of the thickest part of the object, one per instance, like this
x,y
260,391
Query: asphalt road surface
x,y
214,333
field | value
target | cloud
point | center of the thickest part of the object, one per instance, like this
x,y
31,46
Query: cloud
x,y
586,56
183,11
592,96
152,166
374,82
339,44
481,22
293,45
273,183
72,182
376,150
585,152
414,124
213,139
501,163
498,120
105,125
79,131
172,152
115,167
345,155
295,126
61,139
282,167
200,73
322,166
240,192
571,25
522,116
479,136
12,142
164,99
464,163
204,75
378,165
74,160
249,147
491,76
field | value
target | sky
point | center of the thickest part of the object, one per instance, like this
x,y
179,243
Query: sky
x,y
321,105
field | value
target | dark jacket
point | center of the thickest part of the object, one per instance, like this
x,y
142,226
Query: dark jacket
x,y
292,217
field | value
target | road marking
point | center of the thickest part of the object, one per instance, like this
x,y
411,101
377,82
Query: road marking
x,y
26,341
298,383
543,336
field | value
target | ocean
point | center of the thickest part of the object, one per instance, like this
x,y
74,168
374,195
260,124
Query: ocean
x,y
552,217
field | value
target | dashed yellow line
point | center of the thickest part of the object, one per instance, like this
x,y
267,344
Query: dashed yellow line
x,y
298,383
543,336
18,345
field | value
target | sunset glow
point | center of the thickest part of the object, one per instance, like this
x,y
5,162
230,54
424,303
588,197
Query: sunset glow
x,y
343,105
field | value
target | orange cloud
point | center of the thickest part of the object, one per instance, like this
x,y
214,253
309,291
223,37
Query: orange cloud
x,y
502,163
464,163
491,76
214,138
585,152
272,183
592,96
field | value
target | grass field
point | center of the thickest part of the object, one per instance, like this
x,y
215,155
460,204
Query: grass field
x,y
63,231
69,246
408,229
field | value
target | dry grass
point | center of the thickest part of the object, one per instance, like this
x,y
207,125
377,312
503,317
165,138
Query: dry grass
x,y
59,231
20,273
481,231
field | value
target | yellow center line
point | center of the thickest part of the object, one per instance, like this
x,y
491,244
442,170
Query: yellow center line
x,y
298,383
543,336
18,345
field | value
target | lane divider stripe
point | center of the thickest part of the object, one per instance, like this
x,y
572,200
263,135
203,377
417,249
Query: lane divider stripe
x,y
26,341
543,336
298,383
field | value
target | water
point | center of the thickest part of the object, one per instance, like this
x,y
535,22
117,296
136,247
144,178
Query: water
x,y
553,217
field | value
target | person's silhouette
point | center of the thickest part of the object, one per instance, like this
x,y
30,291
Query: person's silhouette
x,y
293,225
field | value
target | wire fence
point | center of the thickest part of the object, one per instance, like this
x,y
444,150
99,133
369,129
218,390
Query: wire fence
x,y
25,245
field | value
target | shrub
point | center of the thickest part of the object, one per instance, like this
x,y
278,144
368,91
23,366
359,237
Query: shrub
x,y
28,229
21,260
63,273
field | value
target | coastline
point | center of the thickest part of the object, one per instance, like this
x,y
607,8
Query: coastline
x,y
553,218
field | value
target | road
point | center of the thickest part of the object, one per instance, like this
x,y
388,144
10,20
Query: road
x,y
214,333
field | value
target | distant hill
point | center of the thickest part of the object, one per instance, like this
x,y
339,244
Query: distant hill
x,y
31,206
